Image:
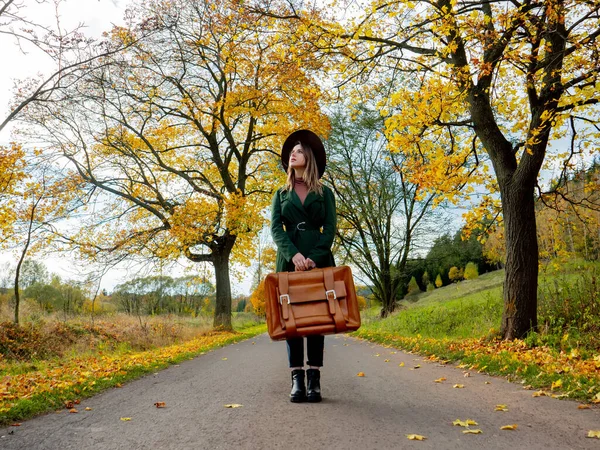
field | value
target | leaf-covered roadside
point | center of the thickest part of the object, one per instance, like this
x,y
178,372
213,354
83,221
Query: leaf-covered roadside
x,y
557,374
62,380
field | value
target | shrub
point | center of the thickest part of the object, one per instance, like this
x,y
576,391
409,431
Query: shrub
x,y
413,290
362,302
455,274
20,341
430,287
413,287
471,271
438,281
425,279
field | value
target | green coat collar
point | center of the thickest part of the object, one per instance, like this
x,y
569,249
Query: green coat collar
x,y
293,197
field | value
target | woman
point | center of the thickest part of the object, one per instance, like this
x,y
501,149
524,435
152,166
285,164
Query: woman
x,y
303,221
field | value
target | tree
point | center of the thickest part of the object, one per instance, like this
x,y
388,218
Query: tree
x,y
177,134
438,281
12,172
513,75
68,52
380,214
37,202
258,299
501,78
413,287
33,272
455,274
471,271
425,279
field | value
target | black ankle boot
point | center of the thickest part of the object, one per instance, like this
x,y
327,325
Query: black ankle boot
x,y
314,385
298,393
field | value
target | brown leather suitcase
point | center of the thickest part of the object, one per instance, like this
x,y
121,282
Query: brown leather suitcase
x,y
317,301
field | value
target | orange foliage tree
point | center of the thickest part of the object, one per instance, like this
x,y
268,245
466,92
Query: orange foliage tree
x,y
470,81
258,299
180,133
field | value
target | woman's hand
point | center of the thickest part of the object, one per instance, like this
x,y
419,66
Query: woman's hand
x,y
300,262
310,264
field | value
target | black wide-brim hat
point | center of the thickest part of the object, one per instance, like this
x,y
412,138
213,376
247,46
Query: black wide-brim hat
x,y
312,140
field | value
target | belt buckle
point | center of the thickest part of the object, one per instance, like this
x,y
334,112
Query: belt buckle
x,y
298,226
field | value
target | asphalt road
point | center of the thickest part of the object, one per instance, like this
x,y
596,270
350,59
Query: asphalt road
x,y
376,411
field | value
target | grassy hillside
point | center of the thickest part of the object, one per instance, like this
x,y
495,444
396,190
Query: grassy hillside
x,y
466,309
568,308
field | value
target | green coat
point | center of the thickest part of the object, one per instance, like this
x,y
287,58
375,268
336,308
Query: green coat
x,y
308,229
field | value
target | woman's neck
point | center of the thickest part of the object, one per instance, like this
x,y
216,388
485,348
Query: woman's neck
x,y
299,173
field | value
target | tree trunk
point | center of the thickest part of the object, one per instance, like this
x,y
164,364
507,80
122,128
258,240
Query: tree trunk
x,y
17,297
222,319
521,277
388,300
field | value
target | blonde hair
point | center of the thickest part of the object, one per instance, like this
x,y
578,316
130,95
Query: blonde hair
x,y
311,172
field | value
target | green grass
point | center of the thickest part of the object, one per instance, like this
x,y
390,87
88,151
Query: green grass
x,y
461,322
487,282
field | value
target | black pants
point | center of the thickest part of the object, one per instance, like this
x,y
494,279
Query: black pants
x,y
314,351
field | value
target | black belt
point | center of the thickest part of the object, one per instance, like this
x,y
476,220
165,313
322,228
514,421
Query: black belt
x,y
302,226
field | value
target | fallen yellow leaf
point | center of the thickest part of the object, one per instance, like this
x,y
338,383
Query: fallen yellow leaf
x,y
73,411
439,380
509,427
360,374
486,382
223,359
594,434
559,395
125,419
466,423
88,409
416,437
556,384
501,408
160,404
467,374
459,386
583,407
538,394
387,360
472,431
376,354
418,366
401,364
233,405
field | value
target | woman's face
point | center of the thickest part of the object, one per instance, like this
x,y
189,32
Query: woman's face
x,y
297,158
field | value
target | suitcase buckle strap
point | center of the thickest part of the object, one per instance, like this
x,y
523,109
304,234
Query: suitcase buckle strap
x,y
284,296
331,291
